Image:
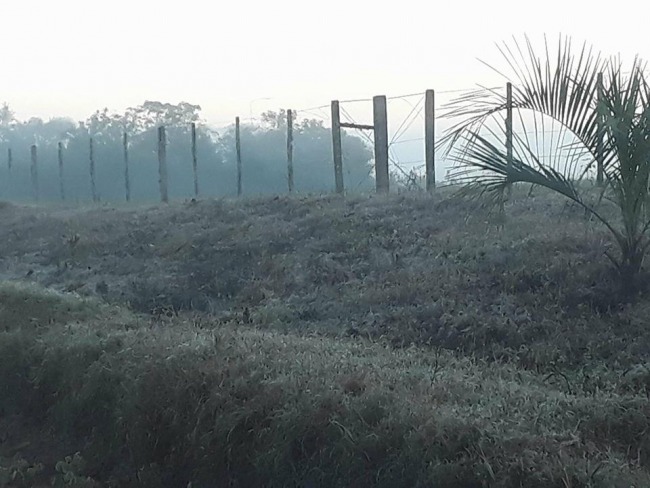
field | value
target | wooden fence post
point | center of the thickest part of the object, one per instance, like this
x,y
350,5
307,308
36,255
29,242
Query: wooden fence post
x,y
162,164
290,150
238,152
127,181
93,185
9,165
337,147
34,171
61,185
600,155
430,139
509,126
380,119
195,162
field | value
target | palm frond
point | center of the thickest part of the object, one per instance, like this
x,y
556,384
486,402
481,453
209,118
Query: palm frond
x,y
565,90
602,110
483,171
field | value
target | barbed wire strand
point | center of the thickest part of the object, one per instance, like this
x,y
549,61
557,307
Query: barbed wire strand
x,y
356,100
401,132
397,97
404,141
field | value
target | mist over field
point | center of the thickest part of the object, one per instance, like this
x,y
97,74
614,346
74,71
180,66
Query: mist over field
x,y
264,168
201,287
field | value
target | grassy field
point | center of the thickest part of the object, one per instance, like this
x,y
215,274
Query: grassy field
x,y
319,342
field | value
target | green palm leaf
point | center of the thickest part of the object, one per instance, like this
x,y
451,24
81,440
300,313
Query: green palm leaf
x,y
607,120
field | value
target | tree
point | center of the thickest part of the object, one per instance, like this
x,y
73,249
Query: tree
x,y
141,124
104,125
152,114
7,116
107,128
264,156
276,120
608,119
264,153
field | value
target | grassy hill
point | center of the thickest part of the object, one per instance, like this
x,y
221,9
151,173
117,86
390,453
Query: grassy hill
x,y
318,341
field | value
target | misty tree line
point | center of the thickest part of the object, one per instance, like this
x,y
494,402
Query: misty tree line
x,y
264,155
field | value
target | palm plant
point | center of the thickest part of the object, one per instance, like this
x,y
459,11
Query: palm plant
x,y
602,109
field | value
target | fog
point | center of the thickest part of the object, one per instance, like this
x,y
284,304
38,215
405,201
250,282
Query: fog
x,y
263,147
63,61
68,59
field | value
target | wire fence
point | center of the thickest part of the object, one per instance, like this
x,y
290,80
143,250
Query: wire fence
x,y
38,175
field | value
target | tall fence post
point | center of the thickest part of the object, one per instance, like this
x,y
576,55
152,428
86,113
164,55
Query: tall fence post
x,y
34,171
290,150
380,119
162,164
61,186
127,181
93,184
600,155
430,139
238,152
337,147
509,126
195,162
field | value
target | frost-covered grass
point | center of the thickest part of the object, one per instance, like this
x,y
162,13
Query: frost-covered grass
x,y
319,341
164,404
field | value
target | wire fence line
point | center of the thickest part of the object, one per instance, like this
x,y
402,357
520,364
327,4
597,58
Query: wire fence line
x,y
404,150
405,153
320,112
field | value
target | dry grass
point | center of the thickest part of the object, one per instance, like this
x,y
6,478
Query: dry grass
x,y
176,403
405,269
322,342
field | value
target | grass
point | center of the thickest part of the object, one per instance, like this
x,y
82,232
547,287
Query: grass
x,y
406,270
243,407
318,342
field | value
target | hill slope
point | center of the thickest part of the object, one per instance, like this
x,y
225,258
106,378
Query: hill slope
x,y
407,269
319,342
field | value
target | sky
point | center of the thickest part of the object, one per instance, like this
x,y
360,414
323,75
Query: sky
x,y
71,57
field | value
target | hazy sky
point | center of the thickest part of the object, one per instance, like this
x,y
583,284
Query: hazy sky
x,y
70,57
